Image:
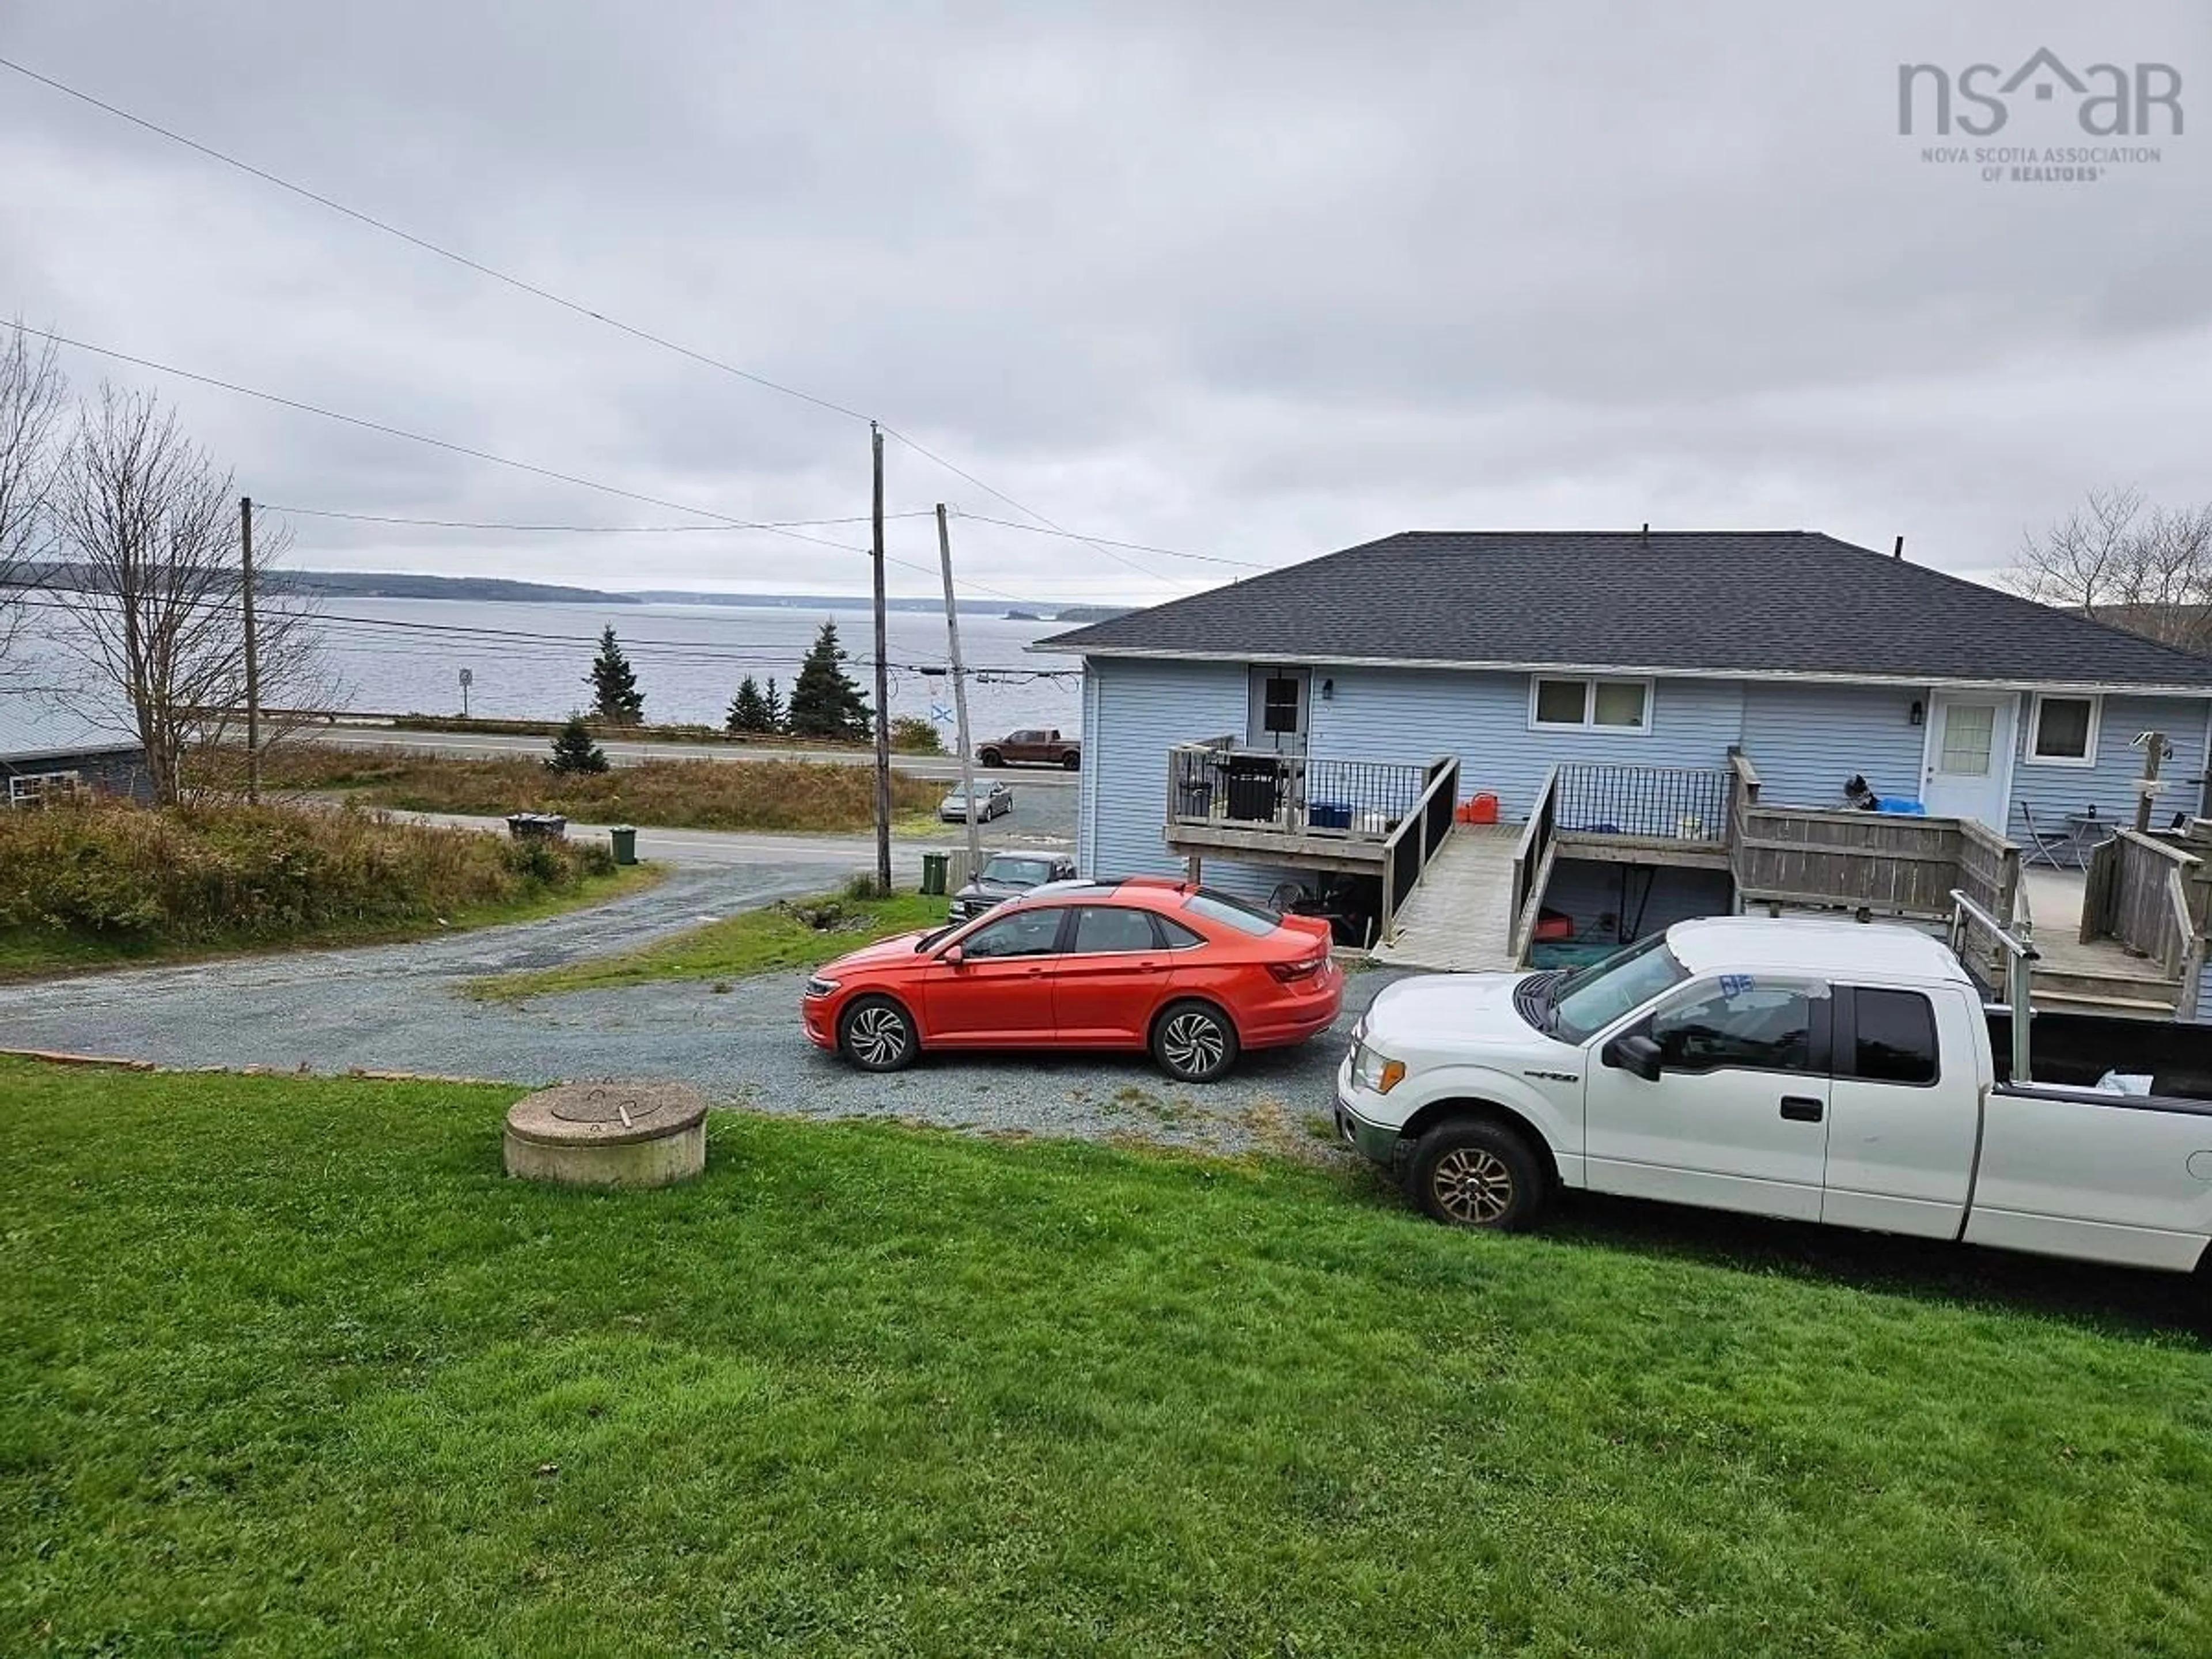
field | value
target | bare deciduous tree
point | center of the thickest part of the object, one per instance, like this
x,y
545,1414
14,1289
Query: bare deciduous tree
x,y
33,397
2123,560
154,588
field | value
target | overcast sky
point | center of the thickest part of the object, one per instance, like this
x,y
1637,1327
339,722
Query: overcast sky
x,y
1255,281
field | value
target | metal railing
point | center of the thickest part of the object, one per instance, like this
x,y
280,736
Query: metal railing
x,y
1687,803
1967,918
1215,782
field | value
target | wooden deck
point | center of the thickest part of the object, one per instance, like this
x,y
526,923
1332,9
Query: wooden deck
x,y
1459,919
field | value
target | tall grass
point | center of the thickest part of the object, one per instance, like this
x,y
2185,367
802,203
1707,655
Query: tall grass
x,y
768,795
222,874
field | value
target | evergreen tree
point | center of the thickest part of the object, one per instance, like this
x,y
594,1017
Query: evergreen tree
x,y
825,701
574,750
774,703
748,709
615,696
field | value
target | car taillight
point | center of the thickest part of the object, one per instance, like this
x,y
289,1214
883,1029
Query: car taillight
x,y
1304,968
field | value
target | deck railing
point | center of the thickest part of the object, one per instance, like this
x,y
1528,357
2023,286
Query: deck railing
x,y
2140,891
1533,858
1422,830
1682,804
1875,861
1218,783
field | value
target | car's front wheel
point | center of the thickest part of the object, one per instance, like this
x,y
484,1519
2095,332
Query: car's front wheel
x,y
1193,1042
1473,1174
877,1034
1072,763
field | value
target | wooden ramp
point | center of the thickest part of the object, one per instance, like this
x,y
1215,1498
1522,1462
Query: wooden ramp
x,y
2094,977
1458,919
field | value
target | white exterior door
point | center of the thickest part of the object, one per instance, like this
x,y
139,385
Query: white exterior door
x,y
1280,697
1967,771
1738,1118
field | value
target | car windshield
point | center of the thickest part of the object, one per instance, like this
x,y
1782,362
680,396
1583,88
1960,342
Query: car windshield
x,y
1232,913
1017,873
1588,1000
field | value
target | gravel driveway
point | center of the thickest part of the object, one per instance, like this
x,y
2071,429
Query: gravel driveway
x,y
398,1007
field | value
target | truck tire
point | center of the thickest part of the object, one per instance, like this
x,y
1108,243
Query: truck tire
x,y
1071,762
1469,1173
992,758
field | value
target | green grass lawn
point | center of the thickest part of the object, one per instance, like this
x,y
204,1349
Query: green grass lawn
x,y
28,955
752,942
291,1368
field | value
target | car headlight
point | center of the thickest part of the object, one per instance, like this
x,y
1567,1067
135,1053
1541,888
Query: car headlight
x,y
1370,1070
818,986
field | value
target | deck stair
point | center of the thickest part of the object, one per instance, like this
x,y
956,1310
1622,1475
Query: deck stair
x,y
1459,919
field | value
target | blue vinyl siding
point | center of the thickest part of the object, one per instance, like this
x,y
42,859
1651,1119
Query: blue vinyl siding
x,y
122,776
1133,713
2204,995
2057,790
1806,740
1416,715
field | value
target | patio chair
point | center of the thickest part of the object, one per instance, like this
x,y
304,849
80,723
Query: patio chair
x,y
2051,846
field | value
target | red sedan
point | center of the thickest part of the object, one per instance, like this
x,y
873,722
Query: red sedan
x,y
1191,974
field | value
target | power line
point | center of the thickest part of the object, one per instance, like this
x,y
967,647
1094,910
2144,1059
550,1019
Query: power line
x,y
426,245
440,443
1104,541
580,529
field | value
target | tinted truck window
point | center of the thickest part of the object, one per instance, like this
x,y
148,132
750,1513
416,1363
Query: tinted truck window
x,y
1895,1041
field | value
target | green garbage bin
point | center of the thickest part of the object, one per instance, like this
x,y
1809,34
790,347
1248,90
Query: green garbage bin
x,y
624,837
933,867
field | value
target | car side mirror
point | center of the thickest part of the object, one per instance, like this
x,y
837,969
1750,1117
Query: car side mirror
x,y
952,956
1636,1053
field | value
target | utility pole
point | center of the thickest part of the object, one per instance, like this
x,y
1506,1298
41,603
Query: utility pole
x,y
253,654
883,682
959,698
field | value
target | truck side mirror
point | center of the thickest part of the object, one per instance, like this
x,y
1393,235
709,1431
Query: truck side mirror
x,y
1636,1053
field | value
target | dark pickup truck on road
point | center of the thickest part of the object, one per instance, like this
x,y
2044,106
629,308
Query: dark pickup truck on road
x,y
1035,746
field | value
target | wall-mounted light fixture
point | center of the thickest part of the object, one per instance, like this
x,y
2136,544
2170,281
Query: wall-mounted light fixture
x,y
1918,714
1329,690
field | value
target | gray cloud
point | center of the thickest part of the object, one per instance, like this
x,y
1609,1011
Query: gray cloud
x,y
1252,280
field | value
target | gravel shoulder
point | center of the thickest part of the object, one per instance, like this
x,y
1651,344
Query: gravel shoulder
x,y
401,1007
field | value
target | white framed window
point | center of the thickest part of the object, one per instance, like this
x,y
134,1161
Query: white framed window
x,y
1568,703
2061,730
37,788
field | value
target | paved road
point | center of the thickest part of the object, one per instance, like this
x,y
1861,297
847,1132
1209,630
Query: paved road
x,y
398,1007
482,745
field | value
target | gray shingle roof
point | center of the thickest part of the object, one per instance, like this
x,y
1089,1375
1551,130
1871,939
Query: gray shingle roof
x,y
1737,602
32,728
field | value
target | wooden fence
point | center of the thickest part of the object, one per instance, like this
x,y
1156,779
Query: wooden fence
x,y
2148,894
1876,861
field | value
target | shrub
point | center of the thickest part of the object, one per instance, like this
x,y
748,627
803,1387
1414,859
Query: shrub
x,y
912,735
213,874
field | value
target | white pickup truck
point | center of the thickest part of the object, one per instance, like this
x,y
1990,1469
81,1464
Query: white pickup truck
x,y
1825,1071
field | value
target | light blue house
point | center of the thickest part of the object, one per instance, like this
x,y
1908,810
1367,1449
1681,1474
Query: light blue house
x,y
1629,702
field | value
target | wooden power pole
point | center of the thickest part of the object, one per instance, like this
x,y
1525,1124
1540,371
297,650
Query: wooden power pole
x,y
883,681
253,653
959,698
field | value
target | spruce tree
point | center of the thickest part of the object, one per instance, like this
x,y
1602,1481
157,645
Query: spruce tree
x,y
574,750
774,704
748,709
825,701
615,695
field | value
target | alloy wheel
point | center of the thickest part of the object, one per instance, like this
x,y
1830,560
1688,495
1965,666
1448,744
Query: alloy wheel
x,y
878,1035
1192,1044
1472,1185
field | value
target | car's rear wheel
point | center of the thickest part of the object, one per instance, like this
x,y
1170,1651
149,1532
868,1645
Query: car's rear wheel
x,y
877,1034
992,758
1071,762
1193,1042
1473,1173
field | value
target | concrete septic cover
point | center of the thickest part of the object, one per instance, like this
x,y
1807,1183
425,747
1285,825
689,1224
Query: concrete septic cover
x,y
608,1134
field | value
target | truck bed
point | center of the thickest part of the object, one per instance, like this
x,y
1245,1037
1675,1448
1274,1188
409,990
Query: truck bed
x,y
2072,1051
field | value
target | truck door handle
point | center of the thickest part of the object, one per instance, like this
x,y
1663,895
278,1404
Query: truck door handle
x,y
1801,1108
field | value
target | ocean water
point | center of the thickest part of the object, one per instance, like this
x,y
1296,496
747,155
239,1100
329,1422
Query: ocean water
x,y
530,661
